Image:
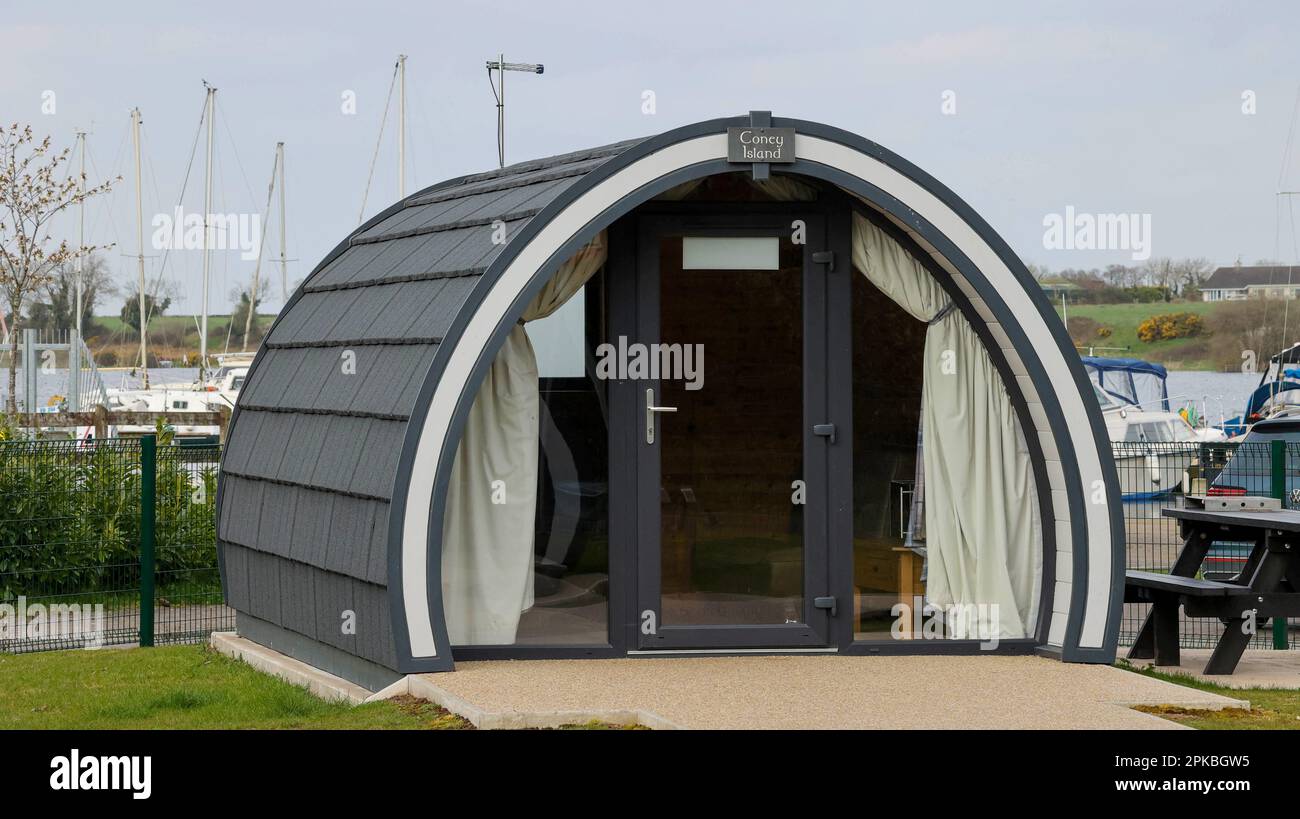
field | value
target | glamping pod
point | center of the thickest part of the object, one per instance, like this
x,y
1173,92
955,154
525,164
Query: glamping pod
x,y
752,385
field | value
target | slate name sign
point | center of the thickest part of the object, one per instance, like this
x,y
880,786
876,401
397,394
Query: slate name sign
x,y
750,144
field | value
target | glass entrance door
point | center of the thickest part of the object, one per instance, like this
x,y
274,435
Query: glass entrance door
x,y
731,498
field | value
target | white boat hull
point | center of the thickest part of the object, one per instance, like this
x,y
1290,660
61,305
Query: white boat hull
x,y
1153,474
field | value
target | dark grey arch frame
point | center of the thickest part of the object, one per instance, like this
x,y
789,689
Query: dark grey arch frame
x,y
1070,651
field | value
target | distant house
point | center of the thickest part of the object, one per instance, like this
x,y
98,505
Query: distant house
x,y
1055,287
1252,281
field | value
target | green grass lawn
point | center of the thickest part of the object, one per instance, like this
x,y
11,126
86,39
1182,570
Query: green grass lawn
x,y
187,687
180,687
1270,708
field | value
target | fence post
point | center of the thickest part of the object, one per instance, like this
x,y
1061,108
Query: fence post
x,y
1278,463
148,499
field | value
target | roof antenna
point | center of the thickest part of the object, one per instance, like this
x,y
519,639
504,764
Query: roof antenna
x,y
500,66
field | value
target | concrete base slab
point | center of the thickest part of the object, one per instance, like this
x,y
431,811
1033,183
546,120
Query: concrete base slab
x,y
553,715
782,692
810,691
322,684
1258,668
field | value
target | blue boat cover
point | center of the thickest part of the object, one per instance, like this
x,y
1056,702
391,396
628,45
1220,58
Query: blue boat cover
x,y
1130,380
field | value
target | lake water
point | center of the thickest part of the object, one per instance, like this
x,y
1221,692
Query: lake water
x,y
1217,395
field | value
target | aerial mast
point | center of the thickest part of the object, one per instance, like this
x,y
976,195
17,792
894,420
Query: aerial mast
x,y
501,67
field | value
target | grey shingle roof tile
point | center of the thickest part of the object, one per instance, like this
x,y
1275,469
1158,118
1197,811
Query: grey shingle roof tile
x,y
235,586
358,318
312,454
237,452
436,319
411,217
377,568
311,526
298,598
406,401
264,586
333,306
410,299
374,634
346,524
345,440
266,454
383,446
241,510
304,447
334,598
290,322
348,266
275,523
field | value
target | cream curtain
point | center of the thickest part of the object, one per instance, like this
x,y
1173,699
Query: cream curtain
x,y
488,529
982,533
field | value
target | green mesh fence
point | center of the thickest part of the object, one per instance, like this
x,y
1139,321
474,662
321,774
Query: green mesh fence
x,y
70,539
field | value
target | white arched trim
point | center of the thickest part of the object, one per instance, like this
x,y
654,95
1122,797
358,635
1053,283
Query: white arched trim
x,y
436,425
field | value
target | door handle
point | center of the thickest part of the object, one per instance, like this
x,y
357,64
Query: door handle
x,y
650,410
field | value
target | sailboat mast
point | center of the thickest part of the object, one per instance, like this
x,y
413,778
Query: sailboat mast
x,y
257,267
284,266
401,126
207,228
139,226
81,229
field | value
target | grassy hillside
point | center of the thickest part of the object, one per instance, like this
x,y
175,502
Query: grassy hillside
x,y
1123,320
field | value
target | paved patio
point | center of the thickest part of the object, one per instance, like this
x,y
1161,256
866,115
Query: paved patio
x,y
808,691
1258,668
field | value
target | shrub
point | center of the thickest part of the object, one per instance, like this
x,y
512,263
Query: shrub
x,y
1169,326
1085,330
1146,294
70,517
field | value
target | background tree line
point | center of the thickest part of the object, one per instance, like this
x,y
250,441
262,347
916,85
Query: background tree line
x,y
1161,279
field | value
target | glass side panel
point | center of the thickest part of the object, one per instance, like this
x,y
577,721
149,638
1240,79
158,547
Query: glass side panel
x,y
887,364
565,599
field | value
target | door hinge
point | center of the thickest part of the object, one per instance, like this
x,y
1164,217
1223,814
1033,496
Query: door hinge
x,y
825,431
825,603
826,257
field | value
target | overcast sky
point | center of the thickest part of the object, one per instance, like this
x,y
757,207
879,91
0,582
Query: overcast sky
x,y
1102,107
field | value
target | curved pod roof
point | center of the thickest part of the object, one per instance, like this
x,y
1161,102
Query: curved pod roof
x,y
422,291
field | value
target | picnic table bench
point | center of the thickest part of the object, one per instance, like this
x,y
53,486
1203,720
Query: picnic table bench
x,y
1268,585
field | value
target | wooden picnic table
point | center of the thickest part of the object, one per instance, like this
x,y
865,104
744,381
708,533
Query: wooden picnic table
x,y
1268,585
